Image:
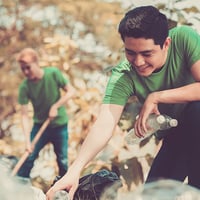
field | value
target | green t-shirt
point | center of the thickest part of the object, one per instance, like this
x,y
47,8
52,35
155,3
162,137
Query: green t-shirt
x,y
43,94
183,52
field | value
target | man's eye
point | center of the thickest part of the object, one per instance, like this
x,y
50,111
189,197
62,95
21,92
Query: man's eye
x,y
130,53
147,55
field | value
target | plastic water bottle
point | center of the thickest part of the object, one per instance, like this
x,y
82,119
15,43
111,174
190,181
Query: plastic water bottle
x,y
154,123
61,195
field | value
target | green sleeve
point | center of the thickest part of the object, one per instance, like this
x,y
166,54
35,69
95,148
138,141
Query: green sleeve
x,y
189,41
120,87
60,78
23,94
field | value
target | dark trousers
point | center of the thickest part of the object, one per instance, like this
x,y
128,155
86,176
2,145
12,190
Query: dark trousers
x,y
179,156
58,136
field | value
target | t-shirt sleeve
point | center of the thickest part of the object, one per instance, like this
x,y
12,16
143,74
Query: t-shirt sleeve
x,y
118,89
190,42
60,78
23,94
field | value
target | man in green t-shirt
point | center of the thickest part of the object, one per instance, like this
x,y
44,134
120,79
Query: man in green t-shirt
x,y
42,88
162,69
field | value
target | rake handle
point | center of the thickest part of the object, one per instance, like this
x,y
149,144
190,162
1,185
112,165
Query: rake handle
x,y
33,143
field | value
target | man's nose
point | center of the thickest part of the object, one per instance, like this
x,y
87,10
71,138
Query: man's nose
x,y
26,71
138,60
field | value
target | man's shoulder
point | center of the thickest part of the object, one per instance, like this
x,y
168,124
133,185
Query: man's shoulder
x,y
51,69
23,84
122,66
183,29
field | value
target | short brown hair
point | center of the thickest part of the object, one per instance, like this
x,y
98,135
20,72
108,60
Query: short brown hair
x,y
27,52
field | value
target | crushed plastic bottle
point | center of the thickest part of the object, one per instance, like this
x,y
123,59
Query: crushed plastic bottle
x,y
61,195
154,123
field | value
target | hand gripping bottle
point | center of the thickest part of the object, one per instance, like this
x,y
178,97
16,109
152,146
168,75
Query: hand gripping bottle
x,y
154,123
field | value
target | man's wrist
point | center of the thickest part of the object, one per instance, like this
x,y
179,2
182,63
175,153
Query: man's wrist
x,y
154,97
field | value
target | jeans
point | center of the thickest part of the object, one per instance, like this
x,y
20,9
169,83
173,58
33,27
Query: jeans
x,y
58,136
179,156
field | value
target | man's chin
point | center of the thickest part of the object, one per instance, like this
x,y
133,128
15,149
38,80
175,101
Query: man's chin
x,y
31,78
144,74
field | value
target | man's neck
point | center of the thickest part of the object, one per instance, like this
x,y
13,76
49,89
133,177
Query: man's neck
x,y
39,75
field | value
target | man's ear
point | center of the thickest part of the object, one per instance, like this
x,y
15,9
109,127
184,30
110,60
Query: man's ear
x,y
167,43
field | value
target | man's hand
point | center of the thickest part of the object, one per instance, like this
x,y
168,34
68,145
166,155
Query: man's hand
x,y
29,147
53,111
150,106
68,182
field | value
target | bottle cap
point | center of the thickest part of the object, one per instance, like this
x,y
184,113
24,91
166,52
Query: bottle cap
x,y
173,122
160,119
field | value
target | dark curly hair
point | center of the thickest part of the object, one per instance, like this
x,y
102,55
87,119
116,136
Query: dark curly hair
x,y
144,22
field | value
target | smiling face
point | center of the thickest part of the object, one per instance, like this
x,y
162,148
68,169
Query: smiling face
x,y
144,55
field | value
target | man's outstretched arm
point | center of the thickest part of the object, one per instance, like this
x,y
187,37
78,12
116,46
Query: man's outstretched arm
x,y
96,140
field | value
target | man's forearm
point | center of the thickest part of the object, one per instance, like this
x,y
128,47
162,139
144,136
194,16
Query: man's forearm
x,y
95,141
183,94
99,135
68,95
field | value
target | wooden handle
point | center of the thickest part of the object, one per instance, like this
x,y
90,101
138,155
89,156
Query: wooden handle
x,y
33,143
